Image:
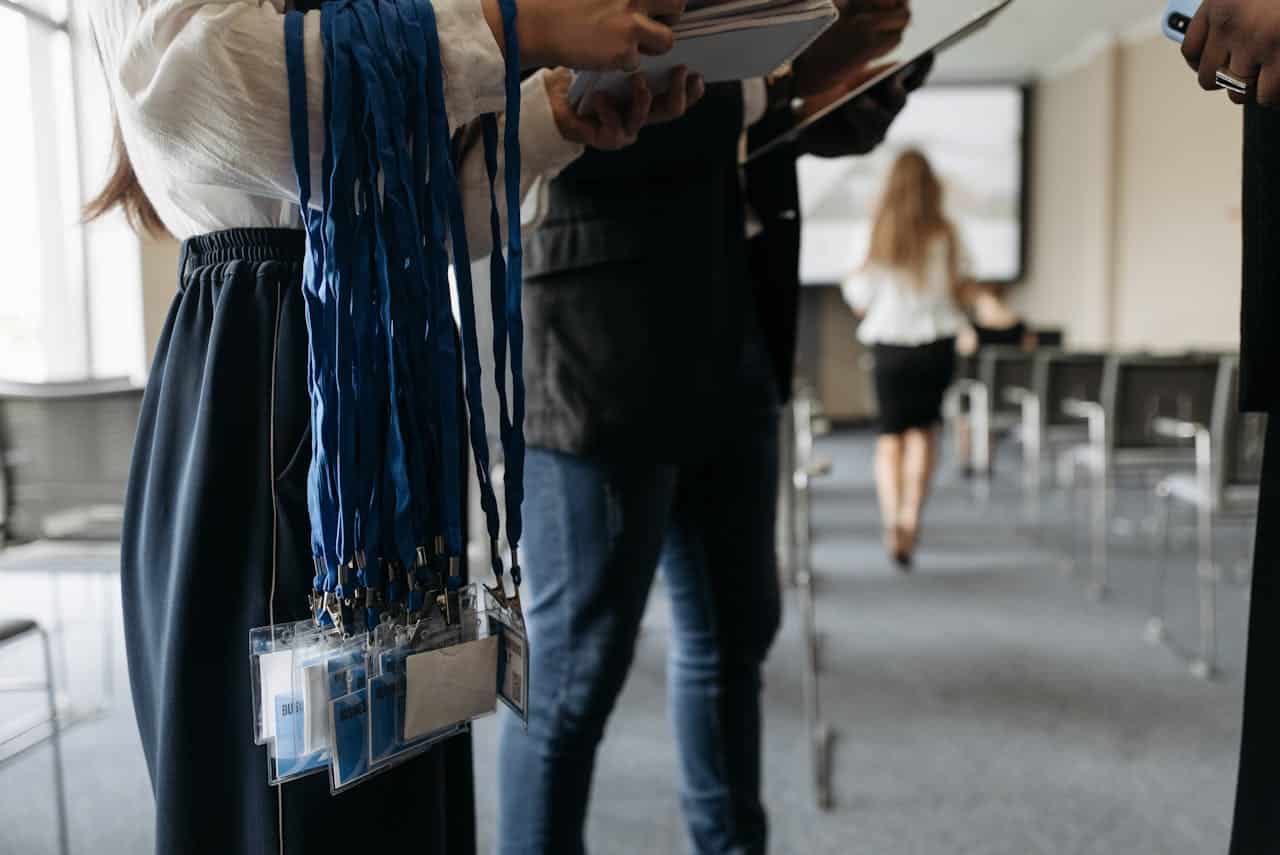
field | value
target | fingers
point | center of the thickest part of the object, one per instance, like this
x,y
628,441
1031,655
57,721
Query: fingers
x,y
1216,56
676,100
669,9
695,88
894,20
1197,37
612,132
652,37
1245,70
638,108
894,96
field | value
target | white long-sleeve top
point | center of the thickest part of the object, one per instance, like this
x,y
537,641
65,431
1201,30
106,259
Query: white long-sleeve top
x,y
898,310
201,94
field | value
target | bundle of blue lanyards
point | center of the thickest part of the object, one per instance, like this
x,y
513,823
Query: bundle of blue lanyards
x,y
394,377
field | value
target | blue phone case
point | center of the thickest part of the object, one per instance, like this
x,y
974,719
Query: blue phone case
x,y
1178,16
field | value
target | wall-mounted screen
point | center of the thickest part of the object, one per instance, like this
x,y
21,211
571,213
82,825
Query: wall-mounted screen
x,y
973,135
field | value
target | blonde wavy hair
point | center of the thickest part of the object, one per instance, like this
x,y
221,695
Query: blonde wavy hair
x,y
910,218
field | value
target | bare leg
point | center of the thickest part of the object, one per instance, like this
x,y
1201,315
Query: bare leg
x,y
889,487
919,455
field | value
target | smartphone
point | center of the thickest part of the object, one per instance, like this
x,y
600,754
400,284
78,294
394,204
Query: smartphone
x,y
1177,18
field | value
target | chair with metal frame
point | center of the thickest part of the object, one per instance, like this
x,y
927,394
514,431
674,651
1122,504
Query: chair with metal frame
x,y
989,412
1056,376
27,734
1225,486
65,449
806,467
1122,441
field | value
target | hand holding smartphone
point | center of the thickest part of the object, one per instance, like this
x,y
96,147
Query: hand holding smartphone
x,y
1177,19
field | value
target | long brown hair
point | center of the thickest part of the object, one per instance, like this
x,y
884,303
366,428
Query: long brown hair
x,y
910,218
123,191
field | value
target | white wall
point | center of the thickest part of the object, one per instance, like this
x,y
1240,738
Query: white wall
x,y
1135,235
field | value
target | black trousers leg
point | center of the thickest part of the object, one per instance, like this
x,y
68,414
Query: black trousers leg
x,y
1256,830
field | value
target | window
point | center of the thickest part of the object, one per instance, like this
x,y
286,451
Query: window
x,y
57,322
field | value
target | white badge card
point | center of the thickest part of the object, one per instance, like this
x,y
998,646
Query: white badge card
x,y
271,670
448,686
275,678
314,690
513,666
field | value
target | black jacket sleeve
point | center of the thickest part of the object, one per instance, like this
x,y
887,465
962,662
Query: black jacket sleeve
x,y
1260,304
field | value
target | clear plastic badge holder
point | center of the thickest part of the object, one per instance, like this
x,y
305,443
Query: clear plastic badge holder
x,y
321,670
271,670
426,682
513,656
362,705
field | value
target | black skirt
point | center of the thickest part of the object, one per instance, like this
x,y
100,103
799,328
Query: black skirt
x,y
911,382
216,542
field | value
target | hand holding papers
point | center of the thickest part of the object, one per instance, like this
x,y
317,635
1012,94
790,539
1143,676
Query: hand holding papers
x,y
866,31
733,40
915,53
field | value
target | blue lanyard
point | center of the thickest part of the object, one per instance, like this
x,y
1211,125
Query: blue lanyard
x,y
506,282
385,374
449,200
321,491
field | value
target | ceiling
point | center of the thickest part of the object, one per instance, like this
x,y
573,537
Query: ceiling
x,y
1028,38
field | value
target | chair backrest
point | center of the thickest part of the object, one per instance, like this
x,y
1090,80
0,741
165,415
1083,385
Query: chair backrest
x,y
1137,390
1001,369
1238,437
1060,376
64,447
1050,337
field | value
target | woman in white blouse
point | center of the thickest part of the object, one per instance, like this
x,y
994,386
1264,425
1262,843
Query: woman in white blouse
x,y
217,536
906,295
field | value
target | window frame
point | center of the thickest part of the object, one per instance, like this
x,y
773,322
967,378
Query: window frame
x,y
66,299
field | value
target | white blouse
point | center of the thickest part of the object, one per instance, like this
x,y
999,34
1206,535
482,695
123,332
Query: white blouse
x,y
201,94
899,311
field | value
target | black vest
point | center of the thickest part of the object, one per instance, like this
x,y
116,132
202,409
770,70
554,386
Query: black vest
x,y
637,299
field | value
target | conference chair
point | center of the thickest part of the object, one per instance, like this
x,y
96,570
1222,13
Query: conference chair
x,y
64,452
1224,487
19,736
1123,445
984,397
65,449
1056,377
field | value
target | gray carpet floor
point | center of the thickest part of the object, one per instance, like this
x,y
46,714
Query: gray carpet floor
x,y
982,704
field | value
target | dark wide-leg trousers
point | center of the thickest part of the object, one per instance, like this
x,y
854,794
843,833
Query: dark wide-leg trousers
x,y
216,542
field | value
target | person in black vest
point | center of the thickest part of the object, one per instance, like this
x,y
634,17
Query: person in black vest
x,y
1243,37
652,425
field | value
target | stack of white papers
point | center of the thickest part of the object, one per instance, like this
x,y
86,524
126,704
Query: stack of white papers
x,y
733,40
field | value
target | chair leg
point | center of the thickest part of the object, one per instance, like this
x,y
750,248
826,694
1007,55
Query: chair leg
x,y
1207,576
109,610
56,742
1156,621
1098,535
1072,496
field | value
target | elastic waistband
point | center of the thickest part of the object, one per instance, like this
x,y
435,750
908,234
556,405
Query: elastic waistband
x,y
242,245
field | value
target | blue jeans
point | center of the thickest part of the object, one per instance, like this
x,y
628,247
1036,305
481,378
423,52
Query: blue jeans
x,y
595,535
